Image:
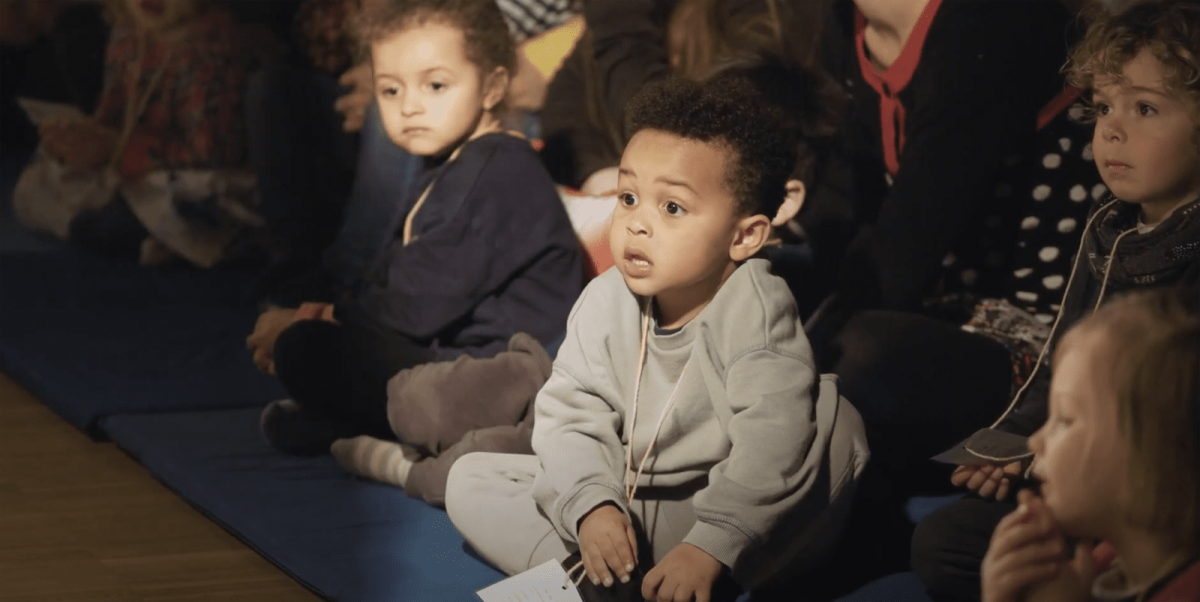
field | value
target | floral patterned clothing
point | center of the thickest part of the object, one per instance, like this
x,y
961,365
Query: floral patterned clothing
x,y
195,114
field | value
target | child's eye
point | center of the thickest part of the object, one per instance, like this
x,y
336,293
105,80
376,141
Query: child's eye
x,y
673,208
628,199
1145,109
437,86
389,91
1101,109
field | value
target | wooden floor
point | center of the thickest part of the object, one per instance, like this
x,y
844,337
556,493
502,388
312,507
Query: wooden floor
x,y
81,521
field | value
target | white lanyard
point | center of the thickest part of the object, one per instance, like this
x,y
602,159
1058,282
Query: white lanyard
x,y
631,486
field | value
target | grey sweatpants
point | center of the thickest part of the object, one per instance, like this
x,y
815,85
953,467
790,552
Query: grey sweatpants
x,y
489,498
448,409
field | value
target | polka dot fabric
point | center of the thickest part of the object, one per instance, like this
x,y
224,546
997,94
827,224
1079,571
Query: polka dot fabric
x,y
1053,210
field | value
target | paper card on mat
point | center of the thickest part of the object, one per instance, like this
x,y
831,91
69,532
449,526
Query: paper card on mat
x,y
987,446
546,582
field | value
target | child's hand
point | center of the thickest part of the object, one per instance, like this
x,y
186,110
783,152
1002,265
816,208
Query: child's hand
x,y
607,541
987,479
686,573
261,342
1027,556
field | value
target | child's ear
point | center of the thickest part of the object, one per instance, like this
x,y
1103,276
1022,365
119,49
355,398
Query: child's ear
x,y
793,200
495,86
752,234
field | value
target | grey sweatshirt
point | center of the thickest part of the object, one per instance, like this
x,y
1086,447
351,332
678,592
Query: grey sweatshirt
x,y
745,431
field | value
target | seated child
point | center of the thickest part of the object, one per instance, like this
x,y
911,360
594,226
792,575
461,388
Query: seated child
x,y
485,250
1145,86
683,417
1118,461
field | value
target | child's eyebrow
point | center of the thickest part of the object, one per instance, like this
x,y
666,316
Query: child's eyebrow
x,y
1150,90
625,171
670,182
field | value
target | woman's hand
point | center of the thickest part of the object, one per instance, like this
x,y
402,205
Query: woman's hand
x,y
353,105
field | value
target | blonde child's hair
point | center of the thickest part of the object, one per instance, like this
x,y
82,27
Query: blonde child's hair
x,y
1169,29
1153,337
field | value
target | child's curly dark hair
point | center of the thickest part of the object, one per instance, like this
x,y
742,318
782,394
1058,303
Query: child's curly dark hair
x,y
1169,29
731,113
489,44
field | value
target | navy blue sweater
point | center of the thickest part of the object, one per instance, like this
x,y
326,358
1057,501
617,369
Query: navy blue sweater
x,y
493,254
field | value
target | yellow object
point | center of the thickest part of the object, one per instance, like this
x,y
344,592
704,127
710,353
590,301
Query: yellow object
x,y
548,51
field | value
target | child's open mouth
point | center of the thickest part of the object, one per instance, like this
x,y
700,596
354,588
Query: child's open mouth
x,y
637,264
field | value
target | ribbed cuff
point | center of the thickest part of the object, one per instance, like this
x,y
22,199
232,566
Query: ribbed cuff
x,y
724,543
584,500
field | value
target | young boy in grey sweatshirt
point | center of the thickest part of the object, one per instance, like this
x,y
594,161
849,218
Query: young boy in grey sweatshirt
x,y
683,410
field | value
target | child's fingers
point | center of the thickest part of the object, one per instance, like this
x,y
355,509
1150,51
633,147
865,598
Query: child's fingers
x,y
651,583
631,535
618,557
1003,488
979,478
1016,579
962,474
1017,537
593,564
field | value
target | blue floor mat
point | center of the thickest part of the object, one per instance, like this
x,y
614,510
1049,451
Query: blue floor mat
x,y
344,538
93,337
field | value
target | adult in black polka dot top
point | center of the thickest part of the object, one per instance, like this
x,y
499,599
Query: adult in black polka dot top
x,y
1141,68
942,134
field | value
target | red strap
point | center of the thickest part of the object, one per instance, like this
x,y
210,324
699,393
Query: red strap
x,y
1057,105
889,83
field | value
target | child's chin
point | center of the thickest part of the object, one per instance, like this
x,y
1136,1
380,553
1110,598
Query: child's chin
x,y
423,148
639,286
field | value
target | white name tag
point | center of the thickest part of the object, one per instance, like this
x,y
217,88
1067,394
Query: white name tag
x,y
546,582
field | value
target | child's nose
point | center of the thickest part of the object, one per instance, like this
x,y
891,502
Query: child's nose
x,y
1112,130
637,222
410,105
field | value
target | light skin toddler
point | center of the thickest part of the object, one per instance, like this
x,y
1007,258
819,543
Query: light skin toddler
x,y
1146,145
434,95
1117,459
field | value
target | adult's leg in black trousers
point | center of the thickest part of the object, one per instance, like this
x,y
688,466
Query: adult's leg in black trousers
x,y
921,385
340,371
949,545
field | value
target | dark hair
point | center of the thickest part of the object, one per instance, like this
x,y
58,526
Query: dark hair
x,y
1169,29
808,99
489,44
728,112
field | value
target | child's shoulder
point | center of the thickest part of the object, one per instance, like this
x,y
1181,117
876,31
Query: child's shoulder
x,y
505,165
755,309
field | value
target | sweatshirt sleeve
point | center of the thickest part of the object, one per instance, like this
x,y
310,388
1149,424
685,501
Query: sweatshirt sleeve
x,y
775,456
576,436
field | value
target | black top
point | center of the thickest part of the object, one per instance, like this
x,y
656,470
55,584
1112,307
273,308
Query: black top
x,y
493,254
1169,255
584,113
977,83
